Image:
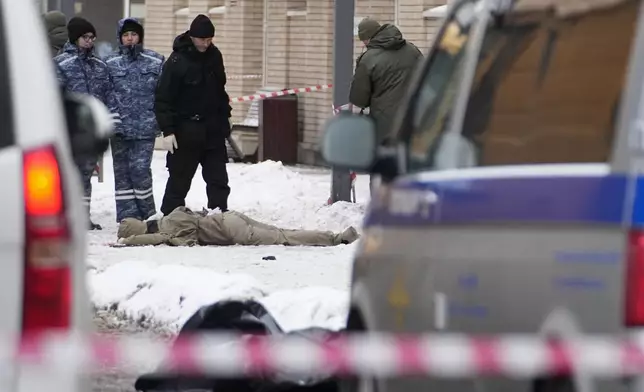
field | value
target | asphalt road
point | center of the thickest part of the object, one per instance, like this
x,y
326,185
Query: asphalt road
x,y
115,379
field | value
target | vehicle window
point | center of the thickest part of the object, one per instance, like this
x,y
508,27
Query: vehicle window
x,y
6,116
541,92
438,88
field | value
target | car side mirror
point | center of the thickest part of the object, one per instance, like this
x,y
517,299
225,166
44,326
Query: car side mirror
x,y
350,142
89,125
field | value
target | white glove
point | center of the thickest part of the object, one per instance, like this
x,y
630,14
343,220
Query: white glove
x,y
170,143
116,118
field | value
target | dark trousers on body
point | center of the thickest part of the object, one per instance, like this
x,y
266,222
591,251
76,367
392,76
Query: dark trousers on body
x,y
133,178
199,143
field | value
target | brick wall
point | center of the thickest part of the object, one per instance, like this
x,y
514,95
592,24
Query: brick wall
x,y
318,47
240,40
306,29
384,11
160,24
431,25
299,44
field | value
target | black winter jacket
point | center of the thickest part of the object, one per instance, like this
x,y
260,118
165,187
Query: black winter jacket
x,y
192,84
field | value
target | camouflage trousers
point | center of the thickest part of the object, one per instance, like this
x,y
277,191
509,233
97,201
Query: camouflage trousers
x,y
86,169
133,178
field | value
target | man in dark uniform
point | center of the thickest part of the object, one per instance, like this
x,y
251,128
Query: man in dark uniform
x,y
193,112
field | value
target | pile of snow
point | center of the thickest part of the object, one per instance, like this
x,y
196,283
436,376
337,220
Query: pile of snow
x,y
163,286
271,192
168,295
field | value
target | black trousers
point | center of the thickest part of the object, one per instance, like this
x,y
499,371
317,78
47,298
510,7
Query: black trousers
x,y
199,143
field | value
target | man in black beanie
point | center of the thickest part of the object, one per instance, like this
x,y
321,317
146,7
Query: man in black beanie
x,y
193,112
79,70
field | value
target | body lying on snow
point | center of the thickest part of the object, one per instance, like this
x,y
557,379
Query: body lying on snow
x,y
183,227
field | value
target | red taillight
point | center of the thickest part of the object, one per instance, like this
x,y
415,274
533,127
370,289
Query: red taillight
x,y
47,277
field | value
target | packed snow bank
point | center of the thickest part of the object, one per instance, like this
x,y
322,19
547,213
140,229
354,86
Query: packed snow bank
x,y
271,192
167,295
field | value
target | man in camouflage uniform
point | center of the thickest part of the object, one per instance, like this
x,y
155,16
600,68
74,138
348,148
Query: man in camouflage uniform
x,y
79,70
135,72
182,227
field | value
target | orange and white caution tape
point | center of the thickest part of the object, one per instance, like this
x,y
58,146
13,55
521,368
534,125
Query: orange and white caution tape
x,y
255,97
379,355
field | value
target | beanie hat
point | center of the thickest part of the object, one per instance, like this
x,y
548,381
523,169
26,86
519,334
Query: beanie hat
x,y
134,26
130,226
367,29
202,27
77,27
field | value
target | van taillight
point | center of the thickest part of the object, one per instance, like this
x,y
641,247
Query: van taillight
x,y
47,274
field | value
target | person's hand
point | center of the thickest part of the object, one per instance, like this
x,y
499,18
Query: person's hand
x,y
116,119
170,143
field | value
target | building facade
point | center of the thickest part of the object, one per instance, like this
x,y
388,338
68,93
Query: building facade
x,y
275,44
284,43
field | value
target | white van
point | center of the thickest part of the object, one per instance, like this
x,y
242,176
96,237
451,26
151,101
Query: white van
x,y
42,235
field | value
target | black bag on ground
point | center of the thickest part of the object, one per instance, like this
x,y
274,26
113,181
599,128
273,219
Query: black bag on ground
x,y
246,317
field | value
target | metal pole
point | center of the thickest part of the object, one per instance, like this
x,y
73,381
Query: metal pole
x,y
342,74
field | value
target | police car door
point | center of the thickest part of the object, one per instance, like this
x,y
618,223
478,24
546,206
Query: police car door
x,y
416,202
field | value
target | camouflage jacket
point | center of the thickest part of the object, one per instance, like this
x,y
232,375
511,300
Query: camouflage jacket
x,y
83,72
135,72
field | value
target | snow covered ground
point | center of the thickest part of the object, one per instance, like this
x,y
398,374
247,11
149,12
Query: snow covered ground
x,y
164,286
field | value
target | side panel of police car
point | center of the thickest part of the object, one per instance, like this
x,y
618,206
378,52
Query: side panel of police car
x,y
493,279
42,239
